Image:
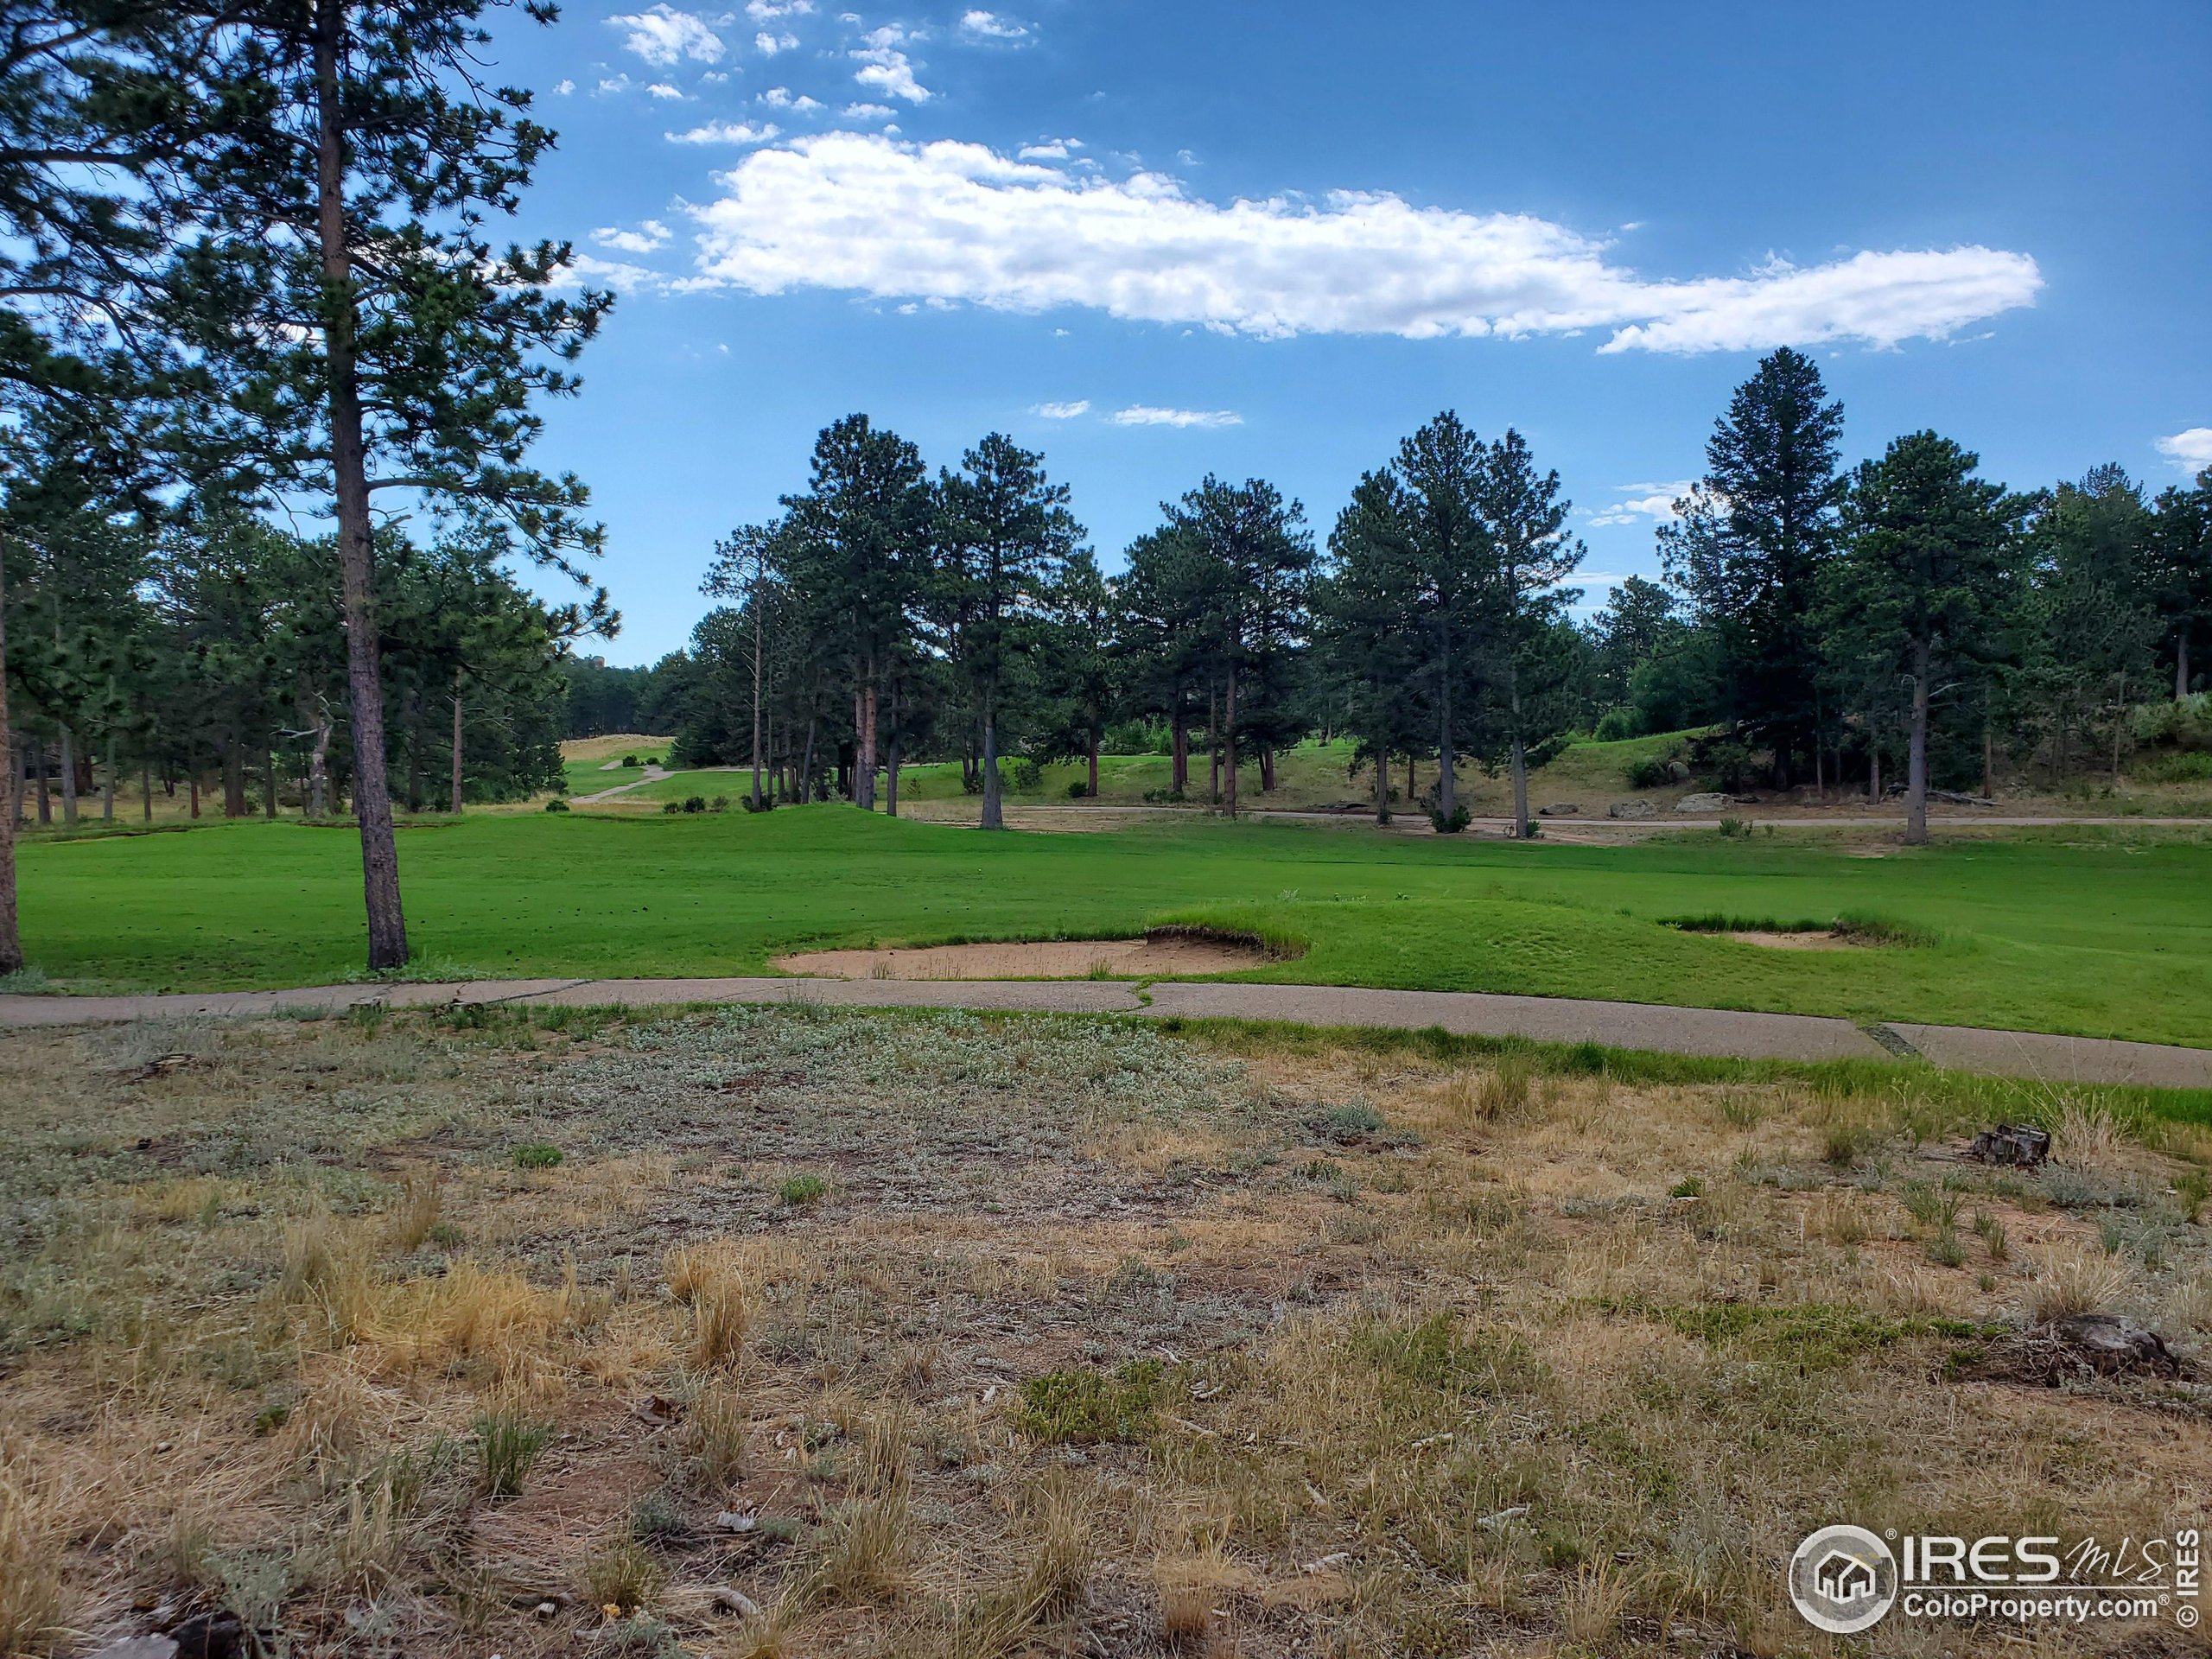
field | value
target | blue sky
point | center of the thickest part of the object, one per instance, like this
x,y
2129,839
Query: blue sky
x,y
1271,240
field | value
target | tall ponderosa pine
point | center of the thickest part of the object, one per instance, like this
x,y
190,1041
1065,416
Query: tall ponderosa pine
x,y
1449,548
372,341
1922,578
1368,631
1749,545
1256,556
1527,642
2181,561
860,551
1004,532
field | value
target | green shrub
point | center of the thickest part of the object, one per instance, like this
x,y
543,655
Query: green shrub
x,y
1346,1124
1078,790
798,1190
1088,1406
1024,776
556,804
767,804
1451,823
1650,773
671,806
629,760
694,803
1622,720
2192,766
536,1155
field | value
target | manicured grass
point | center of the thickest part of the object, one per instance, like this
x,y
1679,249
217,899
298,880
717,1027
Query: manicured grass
x,y
2104,933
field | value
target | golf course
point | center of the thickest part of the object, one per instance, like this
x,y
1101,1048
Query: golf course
x,y
2085,931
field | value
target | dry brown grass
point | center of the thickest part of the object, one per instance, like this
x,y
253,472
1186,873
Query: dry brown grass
x,y
1542,1363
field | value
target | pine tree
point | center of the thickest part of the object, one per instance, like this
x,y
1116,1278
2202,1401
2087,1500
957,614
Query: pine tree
x,y
369,338
1920,579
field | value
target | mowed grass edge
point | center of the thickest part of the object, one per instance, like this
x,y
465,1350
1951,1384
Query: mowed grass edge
x,y
2091,932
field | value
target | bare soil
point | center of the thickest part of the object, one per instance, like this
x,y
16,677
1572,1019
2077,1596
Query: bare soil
x,y
1818,938
1146,958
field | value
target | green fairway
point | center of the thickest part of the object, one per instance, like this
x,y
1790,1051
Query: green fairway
x,y
2095,933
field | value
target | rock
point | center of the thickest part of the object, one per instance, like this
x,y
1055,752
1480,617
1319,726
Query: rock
x,y
212,1635
139,1647
729,1599
1708,802
1679,770
1559,809
2011,1143
2112,1344
1631,810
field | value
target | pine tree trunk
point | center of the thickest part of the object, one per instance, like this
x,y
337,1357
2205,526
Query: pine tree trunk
x,y
1915,787
146,789
1988,761
195,791
1448,762
457,745
69,777
233,779
757,625
1874,770
994,805
12,940
891,759
1213,747
319,769
1229,743
107,783
1095,738
1266,769
1381,769
1521,819
387,921
1180,746
45,795
806,762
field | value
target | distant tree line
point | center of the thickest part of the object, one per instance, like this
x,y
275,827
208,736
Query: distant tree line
x,y
1819,628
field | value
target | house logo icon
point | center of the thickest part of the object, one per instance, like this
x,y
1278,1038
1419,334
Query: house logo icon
x,y
1843,1580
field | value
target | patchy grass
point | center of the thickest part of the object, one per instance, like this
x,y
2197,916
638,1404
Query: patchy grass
x,y
1116,1339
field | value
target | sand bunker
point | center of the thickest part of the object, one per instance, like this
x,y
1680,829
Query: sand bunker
x,y
1159,956
1813,939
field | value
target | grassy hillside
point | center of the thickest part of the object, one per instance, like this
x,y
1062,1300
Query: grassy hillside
x,y
2089,931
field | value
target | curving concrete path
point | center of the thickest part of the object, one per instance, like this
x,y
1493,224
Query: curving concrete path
x,y
1720,1032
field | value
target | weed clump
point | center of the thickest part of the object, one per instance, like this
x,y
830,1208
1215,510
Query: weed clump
x,y
1086,1408
507,1446
536,1154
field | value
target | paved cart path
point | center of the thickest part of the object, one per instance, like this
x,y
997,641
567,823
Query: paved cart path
x,y
1553,1019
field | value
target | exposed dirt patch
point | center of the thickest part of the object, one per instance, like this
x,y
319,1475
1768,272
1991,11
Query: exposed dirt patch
x,y
1823,938
1157,956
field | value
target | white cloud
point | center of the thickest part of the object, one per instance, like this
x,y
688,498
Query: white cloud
x,y
589,270
868,112
768,45
886,69
662,89
1049,149
766,11
648,236
615,84
662,34
990,26
2191,451
781,97
1653,502
563,87
1062,411
1150,415
726,132
961,222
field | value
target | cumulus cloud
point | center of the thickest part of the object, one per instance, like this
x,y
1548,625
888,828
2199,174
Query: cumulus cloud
x,y
1049,149
1062,411
2191,450
991,26
960,222
648,236
868,112
766,11
1152,414
782,98
885,68
768,45
564,86
1650,503
662,34
662,89
726,132
589,270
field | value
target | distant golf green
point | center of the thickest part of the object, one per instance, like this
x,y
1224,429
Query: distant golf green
x,y
2089,932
